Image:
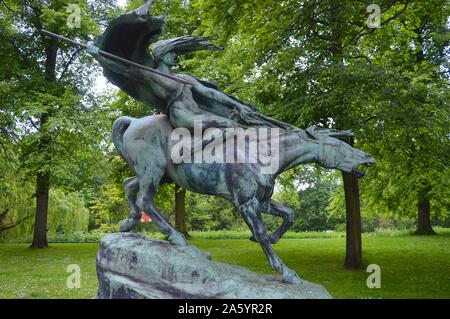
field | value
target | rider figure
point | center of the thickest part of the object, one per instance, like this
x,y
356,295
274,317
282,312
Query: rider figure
x,y
220,110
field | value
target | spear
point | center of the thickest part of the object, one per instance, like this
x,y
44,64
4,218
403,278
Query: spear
x,y
115,57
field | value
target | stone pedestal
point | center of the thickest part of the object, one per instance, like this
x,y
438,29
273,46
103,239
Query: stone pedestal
x,y
132,266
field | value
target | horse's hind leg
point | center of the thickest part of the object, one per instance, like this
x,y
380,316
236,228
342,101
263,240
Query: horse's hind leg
x,y
148,184
131,186
284,212
252,215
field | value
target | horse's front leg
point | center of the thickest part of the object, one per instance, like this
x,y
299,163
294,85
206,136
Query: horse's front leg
x,y
284,212
252,215
131,186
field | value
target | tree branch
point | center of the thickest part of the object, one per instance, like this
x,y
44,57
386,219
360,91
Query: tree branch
x,y
32,123
7,156
359,57
66,67
7,7
4,226
8,136
369,118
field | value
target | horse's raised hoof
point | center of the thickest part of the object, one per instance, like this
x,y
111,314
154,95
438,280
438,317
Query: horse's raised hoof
x,y
127,225
178,239
291,277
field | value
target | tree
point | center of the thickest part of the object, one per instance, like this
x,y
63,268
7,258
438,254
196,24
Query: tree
x,y
318,62
408,130
5,225
307,190
297,54
47,94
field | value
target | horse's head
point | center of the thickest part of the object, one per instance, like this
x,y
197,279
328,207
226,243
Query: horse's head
x,y
336,154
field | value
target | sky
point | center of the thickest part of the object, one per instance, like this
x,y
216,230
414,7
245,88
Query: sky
x,y
122,3
101,83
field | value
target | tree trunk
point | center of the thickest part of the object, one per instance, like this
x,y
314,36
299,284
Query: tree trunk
x,y
353,255
180,210
353,252
423,221
40,224
43,178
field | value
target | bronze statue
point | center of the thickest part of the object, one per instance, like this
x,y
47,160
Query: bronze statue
x,y
147,145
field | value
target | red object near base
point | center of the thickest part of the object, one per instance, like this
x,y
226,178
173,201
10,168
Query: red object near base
x,y
145,218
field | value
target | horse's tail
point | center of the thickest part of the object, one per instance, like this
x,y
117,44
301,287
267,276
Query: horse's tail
x,y
118,130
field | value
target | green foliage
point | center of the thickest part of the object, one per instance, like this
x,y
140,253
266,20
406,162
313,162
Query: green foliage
x,y
318,63
314,200
109,208
307,190
206,213
67,214
51,121
304,62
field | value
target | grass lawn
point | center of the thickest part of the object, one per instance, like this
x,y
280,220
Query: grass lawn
x,y
411,266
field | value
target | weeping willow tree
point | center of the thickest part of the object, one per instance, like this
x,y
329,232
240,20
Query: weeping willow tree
x,y
67,214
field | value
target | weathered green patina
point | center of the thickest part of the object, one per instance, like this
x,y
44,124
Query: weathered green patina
x,y
146,145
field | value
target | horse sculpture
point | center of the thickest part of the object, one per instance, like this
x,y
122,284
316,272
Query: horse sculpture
x,y
145,144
